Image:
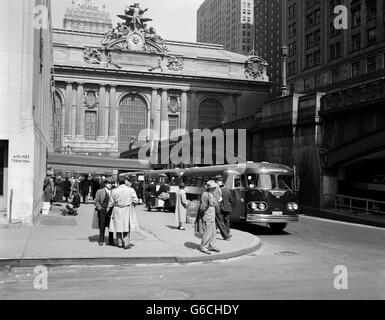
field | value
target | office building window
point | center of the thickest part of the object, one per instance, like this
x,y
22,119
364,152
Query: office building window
x,y
371,64
356,69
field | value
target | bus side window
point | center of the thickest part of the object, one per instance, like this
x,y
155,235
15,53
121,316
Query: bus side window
x,y
237,182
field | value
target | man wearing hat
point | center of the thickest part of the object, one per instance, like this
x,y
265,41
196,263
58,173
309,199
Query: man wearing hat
x,y
102,199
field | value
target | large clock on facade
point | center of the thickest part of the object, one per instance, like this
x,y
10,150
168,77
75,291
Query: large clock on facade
x,y
135,41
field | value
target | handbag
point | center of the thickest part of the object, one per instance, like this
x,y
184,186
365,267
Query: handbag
x,y
95,221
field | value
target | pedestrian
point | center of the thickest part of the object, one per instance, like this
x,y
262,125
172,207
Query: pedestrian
x,y
124,222
207,209
66,186
58,190
75,204
95,186
75,185
102,199
47,187
85,188
181,206
226,209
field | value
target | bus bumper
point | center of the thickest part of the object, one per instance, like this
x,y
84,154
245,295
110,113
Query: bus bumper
x,y
264,218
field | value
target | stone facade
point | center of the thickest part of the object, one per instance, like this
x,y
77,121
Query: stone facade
x,y
132,72
25,105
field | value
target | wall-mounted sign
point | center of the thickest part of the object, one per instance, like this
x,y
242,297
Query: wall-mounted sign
x,y
21,158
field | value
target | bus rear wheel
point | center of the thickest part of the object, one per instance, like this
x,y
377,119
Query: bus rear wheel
x,y
277,227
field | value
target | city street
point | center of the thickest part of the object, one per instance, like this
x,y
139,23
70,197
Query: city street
x,y
298,264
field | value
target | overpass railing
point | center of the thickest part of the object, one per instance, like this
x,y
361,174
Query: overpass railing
x,y
353,204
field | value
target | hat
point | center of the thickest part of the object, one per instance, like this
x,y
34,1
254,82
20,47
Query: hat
x,y
109,180
211,185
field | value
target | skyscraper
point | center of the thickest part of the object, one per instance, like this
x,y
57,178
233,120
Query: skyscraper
x,y
227,22
319,56
269,37
322,57
86,16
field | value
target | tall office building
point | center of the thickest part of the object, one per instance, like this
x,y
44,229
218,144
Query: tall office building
x,y
227,22
87,16
322,57
319,56
269,37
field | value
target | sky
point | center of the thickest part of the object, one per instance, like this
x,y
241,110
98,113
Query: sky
x,y
172,19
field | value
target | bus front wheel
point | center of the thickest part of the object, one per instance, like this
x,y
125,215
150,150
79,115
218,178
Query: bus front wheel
x,y
277,227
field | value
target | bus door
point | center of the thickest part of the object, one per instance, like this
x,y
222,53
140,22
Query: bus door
x,y
235,185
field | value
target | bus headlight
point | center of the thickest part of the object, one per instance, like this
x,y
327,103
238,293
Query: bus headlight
x,y
262,206
253,206
292,206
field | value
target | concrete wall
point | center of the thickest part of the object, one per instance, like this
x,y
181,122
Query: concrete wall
x,y
25,101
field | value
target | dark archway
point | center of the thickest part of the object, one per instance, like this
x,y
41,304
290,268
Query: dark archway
x,y
211,113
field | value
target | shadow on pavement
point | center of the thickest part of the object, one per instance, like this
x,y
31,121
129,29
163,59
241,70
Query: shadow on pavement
x,y
192,245
257,230
94,238
172,227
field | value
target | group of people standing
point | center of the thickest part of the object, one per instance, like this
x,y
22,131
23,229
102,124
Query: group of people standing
x,y
115,210
214,213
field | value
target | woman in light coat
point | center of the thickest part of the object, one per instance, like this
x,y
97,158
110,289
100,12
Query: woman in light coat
x,y
181,206
208,209
123,200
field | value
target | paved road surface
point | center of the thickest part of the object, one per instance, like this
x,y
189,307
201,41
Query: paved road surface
x,y
296,265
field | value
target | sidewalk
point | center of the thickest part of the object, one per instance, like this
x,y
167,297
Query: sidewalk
x,y
60,240
345,216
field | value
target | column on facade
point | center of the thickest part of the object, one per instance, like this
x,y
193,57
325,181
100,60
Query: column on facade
x,y
164,126
74,111
194,114
101,110
112,132
155,111
68,109
107,114
80,111
183,111
238,97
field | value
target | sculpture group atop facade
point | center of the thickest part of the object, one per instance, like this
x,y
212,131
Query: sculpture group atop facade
x,y
134,34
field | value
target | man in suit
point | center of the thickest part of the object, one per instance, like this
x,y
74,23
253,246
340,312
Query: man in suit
x,y
222,217
85,188
226,209
102,199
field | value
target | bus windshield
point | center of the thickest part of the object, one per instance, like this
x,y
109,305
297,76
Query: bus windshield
x,y
269,182
261,181
285,182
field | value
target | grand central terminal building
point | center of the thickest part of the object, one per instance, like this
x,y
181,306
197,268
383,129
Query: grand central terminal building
x,y
112,85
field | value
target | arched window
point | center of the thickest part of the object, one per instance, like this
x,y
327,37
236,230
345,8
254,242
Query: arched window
x,y
210,113
57,124
132,120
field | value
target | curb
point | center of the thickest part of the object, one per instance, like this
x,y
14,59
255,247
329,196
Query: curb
x,y
13,225
60,262
325,214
